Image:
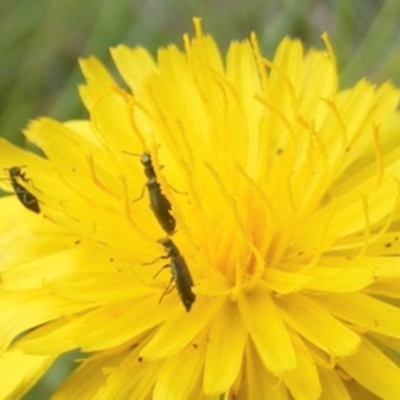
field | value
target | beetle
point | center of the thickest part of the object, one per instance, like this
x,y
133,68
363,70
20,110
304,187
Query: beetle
x,y
158,202
180,274
27,199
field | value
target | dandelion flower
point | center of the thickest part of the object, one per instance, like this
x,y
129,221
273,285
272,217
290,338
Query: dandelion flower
x,y
274,202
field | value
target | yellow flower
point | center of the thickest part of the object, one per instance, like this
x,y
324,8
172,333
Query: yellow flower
x,y
276,190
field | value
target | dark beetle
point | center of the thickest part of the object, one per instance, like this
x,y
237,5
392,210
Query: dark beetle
x,y
24,196
158,202
180,273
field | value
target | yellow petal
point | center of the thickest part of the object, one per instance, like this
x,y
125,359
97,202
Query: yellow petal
x,y
317,325
386,383
268,331
89,377
24,310
242,72
333,387
127,374
118,131
169,386
363,311
385,288
99,80
20,372
182,328
340,280
91,332
68,263
260,383
284,282
303,381
135,65
227,336
94,70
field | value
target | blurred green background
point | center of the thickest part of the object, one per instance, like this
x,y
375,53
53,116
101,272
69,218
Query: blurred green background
x,y
41,40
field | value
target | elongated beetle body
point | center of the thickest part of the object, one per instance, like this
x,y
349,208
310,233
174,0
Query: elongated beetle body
x,y
27,199
158,202
180,273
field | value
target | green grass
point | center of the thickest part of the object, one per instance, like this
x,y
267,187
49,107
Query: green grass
x,y
41,40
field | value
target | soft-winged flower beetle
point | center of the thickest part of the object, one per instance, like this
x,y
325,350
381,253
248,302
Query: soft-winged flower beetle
x,y
27,199
180,274
158,202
